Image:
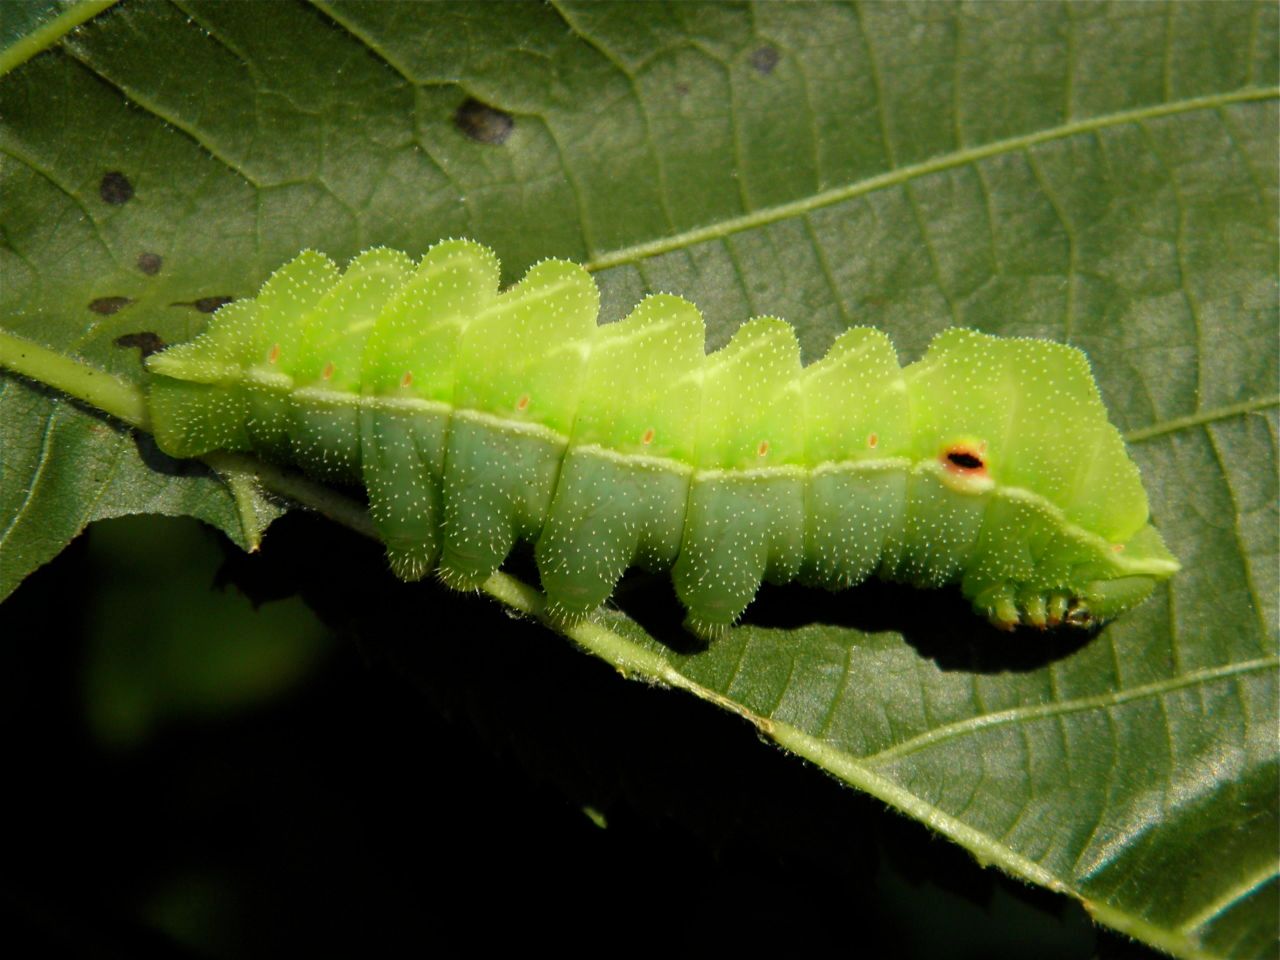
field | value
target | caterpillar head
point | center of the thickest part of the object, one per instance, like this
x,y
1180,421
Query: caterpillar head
x,y
1020,424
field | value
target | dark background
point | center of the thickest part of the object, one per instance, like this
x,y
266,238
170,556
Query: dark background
x,y
386,767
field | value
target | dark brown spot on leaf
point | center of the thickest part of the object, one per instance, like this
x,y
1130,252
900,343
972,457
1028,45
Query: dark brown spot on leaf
x,y
765,58
145,341
210,304
115,188
483,123
109,305
150,263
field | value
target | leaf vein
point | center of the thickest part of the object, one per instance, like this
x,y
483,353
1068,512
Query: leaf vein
x,y
1241,891
1202,417
326,9
36,475
189,130
1250,581
1097,701
948,161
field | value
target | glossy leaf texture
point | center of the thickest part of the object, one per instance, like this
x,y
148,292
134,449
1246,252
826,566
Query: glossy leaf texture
x,y
1099,174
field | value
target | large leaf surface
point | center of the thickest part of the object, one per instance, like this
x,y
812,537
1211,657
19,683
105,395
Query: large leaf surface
x,y
1100,174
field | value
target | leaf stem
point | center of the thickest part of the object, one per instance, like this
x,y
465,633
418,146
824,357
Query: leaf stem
x,y
107,392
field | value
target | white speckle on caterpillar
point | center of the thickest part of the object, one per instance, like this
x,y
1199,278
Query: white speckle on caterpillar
x,y
1047,523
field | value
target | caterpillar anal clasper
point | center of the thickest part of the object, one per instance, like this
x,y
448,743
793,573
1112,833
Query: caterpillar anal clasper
x,y
475,418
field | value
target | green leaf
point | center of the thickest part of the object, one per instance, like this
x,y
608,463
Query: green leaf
x,y
1098,174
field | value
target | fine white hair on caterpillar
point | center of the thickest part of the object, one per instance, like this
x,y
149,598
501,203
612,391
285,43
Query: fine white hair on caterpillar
x,y
475,418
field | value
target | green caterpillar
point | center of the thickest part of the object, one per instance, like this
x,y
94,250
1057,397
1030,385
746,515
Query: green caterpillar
x,y
475,418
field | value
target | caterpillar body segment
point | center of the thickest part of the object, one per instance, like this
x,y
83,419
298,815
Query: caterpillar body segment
x,y
475,418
